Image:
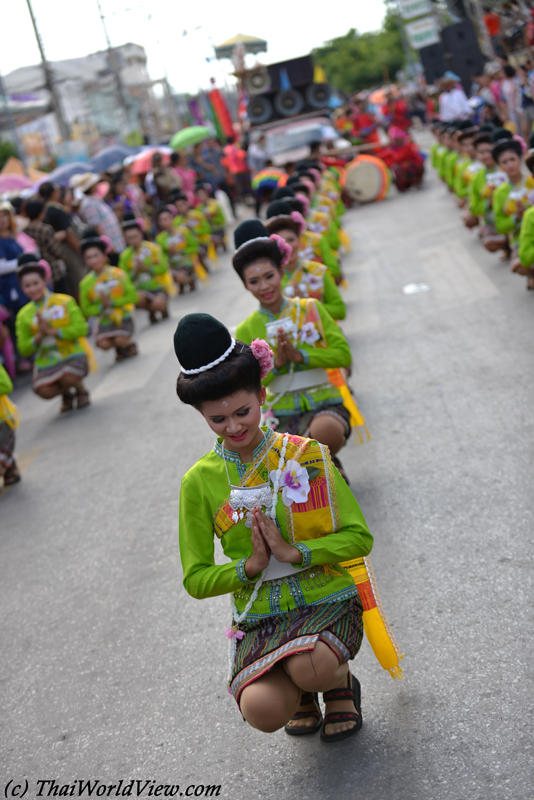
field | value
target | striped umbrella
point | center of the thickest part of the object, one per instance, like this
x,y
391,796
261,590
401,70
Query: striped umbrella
x,y
267,178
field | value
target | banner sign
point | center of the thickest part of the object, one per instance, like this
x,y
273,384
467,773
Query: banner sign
x,y
414,8
422,32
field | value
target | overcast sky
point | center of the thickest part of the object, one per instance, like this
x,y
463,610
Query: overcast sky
x,y
72,29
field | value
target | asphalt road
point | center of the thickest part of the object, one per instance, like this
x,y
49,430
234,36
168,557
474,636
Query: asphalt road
x,y
111,671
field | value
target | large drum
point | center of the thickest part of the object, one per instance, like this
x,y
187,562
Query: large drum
x,y
366,179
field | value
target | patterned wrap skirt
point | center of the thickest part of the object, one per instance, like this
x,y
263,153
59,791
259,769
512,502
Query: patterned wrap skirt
x,y
76,365
270,639
299,424
7,445
107,329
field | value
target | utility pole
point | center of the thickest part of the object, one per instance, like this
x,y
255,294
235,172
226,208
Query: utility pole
x,y
114,68
49,79
12,126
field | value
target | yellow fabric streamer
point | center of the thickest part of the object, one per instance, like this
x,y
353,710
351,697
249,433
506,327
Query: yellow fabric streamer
x,y
9,412
345,240
167,283
336,377
93,366
212,254
375,624
199,269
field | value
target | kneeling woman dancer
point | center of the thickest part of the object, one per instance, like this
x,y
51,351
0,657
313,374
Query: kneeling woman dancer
x,y
286,519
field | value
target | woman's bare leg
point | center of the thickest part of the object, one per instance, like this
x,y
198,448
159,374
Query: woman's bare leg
x,y
270,702
328,430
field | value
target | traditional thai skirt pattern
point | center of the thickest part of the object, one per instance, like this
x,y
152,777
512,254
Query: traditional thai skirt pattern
x,y
270,639
108,329
76,365
7,444
299,424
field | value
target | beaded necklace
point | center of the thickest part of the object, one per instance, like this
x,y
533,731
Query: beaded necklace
x,y
238,618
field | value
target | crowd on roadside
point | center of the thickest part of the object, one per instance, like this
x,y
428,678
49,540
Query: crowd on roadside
x,y
77,261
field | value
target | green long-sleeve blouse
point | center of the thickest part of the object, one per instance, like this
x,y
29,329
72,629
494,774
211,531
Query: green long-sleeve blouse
x,y
203,491
336,354
63,314
526,238
123,292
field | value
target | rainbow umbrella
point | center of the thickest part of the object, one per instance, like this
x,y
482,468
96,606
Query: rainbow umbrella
x,y
267,178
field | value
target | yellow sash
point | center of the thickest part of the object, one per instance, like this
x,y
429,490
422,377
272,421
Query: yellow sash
x,y
9,412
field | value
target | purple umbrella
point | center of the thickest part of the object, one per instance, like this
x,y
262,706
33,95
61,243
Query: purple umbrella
x,y
63,174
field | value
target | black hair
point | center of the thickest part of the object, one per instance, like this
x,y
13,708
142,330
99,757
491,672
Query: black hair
x,y
509,71
283,192
176,194
34,209
174,157
278,207
17,203
91,238
161,209
296,205
252,251
301,187
129,221
503,146
482,138
239,372
46,190
29,262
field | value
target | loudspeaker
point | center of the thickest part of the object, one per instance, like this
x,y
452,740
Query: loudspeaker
x,y
461,52
299,71
432,61
258,81
284,90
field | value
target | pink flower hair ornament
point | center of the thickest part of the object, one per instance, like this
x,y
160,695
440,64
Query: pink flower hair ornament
x,y
521,141
263,353
304,200
284,247
107,241
297,217
46,266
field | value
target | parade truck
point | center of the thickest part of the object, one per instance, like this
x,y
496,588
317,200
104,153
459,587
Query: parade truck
x,y
290,103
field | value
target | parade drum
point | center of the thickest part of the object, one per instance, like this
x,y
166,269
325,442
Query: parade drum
x,y
366,179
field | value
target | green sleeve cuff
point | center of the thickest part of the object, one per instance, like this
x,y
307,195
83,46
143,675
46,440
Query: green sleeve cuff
x,y
306,555
306,358
241,574
59,334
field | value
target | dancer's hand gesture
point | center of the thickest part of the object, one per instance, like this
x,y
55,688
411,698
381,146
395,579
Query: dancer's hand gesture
x,y
268,529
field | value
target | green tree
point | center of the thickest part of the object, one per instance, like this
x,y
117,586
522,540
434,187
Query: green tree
x,y
359,61
7,149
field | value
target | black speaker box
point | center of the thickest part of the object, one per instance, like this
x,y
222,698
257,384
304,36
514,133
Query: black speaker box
x,y
432,61
461,52
299,71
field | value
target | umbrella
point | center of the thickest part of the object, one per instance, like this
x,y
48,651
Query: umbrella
x,y
143,161
63,174
13,183
115,154
190,136
267,178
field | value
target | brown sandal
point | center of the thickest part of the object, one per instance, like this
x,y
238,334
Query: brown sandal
x,y
82,399
68,402
351,692
304,730
11,475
